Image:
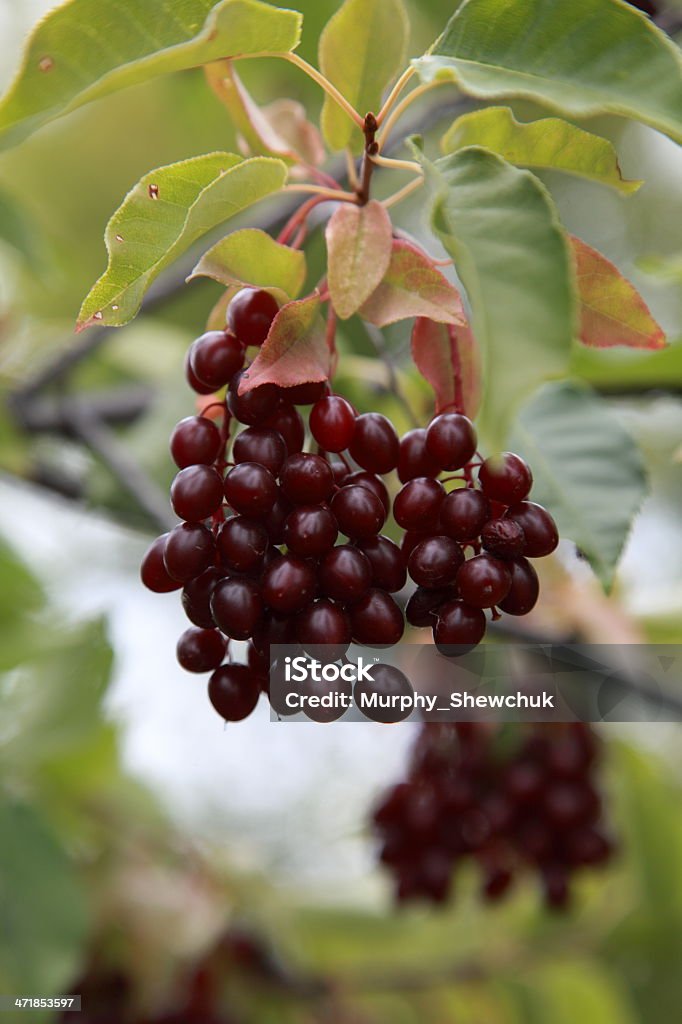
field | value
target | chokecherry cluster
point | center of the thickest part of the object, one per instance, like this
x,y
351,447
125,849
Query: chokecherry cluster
x,y
491,517
467,798
256,555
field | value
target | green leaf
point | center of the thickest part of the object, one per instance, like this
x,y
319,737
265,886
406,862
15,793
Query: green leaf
x,y
585,57
575,989
447,356
162,216
44,914
251,256
295,350
361,49
86,49
502,230
359,252
412,286
588,471
612,312
549,143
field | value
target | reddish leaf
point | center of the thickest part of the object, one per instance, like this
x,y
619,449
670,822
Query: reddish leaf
x,y
359,253
412,286
612,312
448,357
295,351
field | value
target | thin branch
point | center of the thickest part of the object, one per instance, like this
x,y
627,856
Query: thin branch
x,y
404,104
320,80
334,195
403,192
395,92
396,165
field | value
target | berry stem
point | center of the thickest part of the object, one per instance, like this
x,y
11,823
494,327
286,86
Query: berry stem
x,y
394,93
403,192
398,111
332,194
298,218
397,165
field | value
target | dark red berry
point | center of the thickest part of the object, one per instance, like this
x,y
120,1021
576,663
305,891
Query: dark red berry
x,y
539,529
195,441
193,380
340,472
250,315
324,623
503,538
364,479
288,584
464,513
286,420
251,489
196,493
201,650
153,570
506,478
237,607
345,574
273,628
414,459
310,531
483,581
421,610
233,690
376,619
451,440
358,512
252,407
306,479
261,445
524,589
435,561
388,563
189,551
215,357
375,445
304,394
418,503
332,423
196,597
241,544
460,626
276,518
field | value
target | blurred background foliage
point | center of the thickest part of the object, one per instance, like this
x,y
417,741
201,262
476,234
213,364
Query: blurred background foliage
x,y
133,868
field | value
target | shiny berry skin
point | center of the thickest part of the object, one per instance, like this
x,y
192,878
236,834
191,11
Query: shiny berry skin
x,y
451,440
483,581
358,512
388,563
304,394
233,690
376,619
410,540
195,441
252,407
375,445
345,574
250,315
386,681
322,623
201,650
276,518
196,493
524,590
237,607
539,529
288,584
273,628
364,479
189,551
192,379
241,544
310,531
153,572
418,503
464,513
287,421
340,472
261,445
435,561
506,478
306,479
215,357
332,423
414,459
422,608
251,489
503,538
459,625
196,597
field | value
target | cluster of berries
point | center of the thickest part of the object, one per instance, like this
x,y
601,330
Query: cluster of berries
x,y
467,797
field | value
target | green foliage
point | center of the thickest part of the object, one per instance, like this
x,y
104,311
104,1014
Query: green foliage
x,y
361,49
358,254
586,57
251,256
588,471
88,48
549,143
163,215
501,228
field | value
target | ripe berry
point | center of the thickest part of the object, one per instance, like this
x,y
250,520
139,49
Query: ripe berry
x,y
434,562
261,445
458,625
422,608
414,459
251,489
153,570
286,420
275,519
376,620
304,394
332,422
524,589
310,531
387,561
190,549
324,623
483,581
288,584
252,407
345,574
273,628
233,691
306,479
386,681
196,493
358,512
464,513
506,478
195,441
503,538
196,598
193,380
201,650
417,505
375,445
250,315
241,544
340,472
215,357
373,482
539,529
236,606
451,440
